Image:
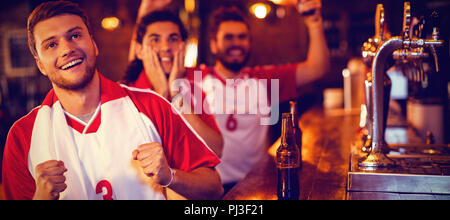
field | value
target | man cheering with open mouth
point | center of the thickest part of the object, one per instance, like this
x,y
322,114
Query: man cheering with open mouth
x,y
92,138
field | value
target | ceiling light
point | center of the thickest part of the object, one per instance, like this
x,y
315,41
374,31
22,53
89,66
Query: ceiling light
x,y
260,10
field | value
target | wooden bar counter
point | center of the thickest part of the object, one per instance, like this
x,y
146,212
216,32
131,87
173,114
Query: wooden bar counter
x,y
327,138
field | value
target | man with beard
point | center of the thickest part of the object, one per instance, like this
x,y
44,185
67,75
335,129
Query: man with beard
x,y
92,138
244,135
239,96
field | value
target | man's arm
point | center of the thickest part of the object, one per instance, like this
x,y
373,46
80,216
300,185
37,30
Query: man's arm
x,y
201,183
213,138
318,58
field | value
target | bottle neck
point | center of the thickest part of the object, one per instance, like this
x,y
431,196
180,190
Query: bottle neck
x,y
294,114
287,132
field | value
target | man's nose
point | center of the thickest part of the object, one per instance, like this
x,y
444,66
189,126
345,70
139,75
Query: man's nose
x,y
237,41
165,46
66,47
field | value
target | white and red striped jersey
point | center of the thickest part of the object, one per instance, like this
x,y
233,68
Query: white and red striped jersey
x,y
239,105
143,82
98,154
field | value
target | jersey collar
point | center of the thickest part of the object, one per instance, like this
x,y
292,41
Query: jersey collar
x,y
109,91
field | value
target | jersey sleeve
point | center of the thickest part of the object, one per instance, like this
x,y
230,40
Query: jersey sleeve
x,y
17,180
183,147
198,103
287,76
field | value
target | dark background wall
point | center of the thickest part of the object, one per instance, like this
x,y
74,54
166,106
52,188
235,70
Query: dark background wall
x,y
275,41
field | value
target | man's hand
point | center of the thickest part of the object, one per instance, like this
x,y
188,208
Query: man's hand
x,y
311,5
153,67
148,6
317,63
158,78
153,161
50,180
178,69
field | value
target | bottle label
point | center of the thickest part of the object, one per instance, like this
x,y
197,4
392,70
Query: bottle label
x,y
287,159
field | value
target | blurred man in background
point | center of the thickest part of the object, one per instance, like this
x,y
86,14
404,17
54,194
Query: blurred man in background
x,y
239,118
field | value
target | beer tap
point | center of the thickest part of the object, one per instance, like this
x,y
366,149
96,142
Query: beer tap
x,y
435,36
407,47
415,56
368,53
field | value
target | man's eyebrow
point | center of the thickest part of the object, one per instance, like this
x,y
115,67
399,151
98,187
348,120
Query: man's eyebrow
x,y
73,29
154,35
175,35
48,39
235,34
243,35
53,37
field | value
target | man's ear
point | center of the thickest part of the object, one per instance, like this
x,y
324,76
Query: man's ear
x,y
138,49
95,46
213,46
40,66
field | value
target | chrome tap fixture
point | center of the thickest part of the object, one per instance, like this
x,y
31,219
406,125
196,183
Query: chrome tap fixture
x,y
368,53
405,47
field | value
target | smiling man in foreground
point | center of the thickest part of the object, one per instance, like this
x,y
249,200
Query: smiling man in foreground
x,y
92,138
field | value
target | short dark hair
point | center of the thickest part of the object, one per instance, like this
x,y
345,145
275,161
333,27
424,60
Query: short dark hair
x,y
136,66
224,14
48,10
159,16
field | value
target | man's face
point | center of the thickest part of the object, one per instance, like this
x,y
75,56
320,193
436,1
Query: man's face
x,y
66,51
165,39
232,45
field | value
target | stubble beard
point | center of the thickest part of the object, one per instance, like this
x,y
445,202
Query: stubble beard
x,y
74,86
235,66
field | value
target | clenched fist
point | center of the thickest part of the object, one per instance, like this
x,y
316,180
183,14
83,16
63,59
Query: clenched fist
x,y
50,180
153,161
311,9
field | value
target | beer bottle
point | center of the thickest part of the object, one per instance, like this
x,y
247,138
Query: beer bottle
x,y
297,130
288,162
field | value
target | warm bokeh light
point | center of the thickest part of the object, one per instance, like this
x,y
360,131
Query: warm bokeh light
x,y
363,119
277,1
257,196
284,2
110,23
273,149
189,5
191,53
260,10
281,12
345,73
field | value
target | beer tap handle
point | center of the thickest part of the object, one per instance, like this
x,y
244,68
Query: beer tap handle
x,y
418,30
379,22
406,21
435,23
435,57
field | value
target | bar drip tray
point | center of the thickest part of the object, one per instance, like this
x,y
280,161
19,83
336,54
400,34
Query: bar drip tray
x,y
420,169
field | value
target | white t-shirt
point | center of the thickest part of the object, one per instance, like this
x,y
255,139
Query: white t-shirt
x,y
242,107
